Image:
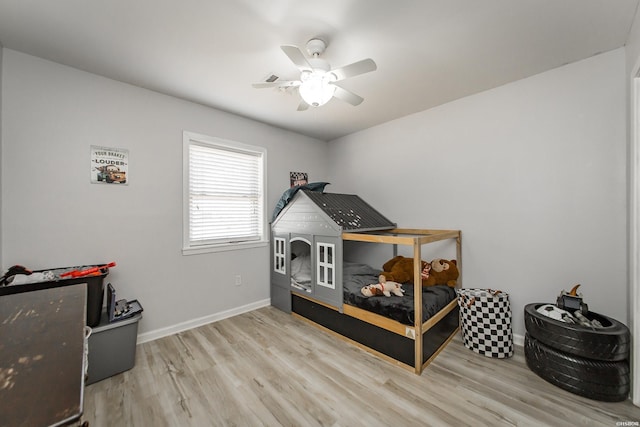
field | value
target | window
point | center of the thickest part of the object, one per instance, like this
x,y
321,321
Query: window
x,y
224,185
325,273
279,255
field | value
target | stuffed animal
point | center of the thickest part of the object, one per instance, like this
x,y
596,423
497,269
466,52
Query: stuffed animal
x,y
437,272
400,269
442,272
386,289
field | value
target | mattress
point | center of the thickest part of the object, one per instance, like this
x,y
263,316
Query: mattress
x,y
355,276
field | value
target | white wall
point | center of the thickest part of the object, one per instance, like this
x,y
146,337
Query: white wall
x,y
533,173
632,51
52,216
1,55
632,47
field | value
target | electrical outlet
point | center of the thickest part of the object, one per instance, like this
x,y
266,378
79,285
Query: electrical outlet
x,y
238,280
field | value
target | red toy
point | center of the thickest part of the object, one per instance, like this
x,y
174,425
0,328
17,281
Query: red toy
x,y
93,271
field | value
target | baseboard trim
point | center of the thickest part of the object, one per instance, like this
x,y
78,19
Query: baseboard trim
x,y
194,323
518,340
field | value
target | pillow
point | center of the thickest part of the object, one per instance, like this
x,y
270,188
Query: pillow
x,y
301,268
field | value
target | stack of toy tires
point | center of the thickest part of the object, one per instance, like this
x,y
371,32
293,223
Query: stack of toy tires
x,y
589,361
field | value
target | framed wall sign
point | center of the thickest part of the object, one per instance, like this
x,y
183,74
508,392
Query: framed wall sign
x,y
298,178
109,165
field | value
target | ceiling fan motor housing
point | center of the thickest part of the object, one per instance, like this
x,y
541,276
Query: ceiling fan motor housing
x,y
316,47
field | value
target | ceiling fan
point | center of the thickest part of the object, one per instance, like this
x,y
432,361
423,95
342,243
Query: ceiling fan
x,y
318,82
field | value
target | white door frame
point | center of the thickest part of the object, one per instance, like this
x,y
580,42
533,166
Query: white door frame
x,y
634,235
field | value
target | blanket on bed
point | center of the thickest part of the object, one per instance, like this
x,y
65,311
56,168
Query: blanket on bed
x,y
355,276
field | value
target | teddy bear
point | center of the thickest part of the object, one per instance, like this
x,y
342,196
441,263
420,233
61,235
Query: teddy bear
x,y
437,272
386,289
400,269
443,272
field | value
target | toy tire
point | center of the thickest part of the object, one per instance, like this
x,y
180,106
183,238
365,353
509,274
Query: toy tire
x,y
610,343
594,379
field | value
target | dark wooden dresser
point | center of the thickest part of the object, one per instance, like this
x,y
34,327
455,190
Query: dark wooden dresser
x,y
42,361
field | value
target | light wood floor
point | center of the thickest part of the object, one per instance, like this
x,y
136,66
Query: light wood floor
x,y
268,368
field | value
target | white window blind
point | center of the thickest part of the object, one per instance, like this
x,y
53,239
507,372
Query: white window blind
x,y
225,192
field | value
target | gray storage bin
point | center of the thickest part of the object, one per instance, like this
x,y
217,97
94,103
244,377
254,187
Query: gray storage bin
x,y
112,347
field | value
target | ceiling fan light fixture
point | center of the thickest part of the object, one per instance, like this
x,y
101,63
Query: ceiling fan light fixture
x,y
318,81
316,88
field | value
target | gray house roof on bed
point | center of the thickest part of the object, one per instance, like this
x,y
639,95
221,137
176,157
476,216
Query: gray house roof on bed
x,y
346,211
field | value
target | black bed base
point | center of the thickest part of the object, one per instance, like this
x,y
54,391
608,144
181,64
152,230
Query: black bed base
x,y
391,344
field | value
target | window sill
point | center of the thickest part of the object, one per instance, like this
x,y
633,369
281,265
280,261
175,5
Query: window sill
x,y
223,247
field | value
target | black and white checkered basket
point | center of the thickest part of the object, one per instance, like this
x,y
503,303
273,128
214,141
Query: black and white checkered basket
x,y
485,319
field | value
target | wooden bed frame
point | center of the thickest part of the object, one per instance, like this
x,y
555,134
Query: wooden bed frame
x,y
411,347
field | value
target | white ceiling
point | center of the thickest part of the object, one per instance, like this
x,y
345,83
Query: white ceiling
x,y
428,52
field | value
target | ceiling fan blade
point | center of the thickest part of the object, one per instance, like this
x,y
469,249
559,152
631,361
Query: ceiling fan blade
x,y
284,83
297,57
347,96
303,106
357,68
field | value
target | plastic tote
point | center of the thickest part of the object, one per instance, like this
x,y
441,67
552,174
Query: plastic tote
x,y
63,276
485,319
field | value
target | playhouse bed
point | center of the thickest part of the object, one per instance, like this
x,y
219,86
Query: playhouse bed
x,y
409,331
310,278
